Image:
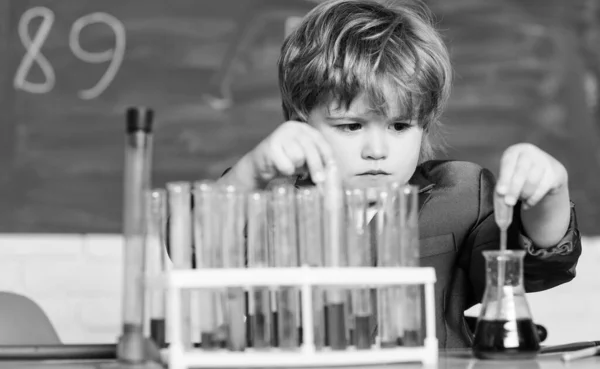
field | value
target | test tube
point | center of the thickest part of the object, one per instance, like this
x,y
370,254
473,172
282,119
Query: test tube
x,y
138,154
310,242
285,249
359,255
179,237
232,211
335,256
388,314
208,254
259,304
156,262
408,228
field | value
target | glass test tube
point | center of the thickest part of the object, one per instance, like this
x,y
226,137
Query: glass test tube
x,y
310,242
359,255
388,314
408,222
285,250
232,211
138,154
156,262
335,256
180,245
208,254
259,304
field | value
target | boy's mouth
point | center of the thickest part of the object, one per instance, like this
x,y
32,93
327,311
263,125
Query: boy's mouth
x,y
374,173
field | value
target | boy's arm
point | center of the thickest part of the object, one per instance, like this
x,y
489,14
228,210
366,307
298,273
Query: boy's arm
x,y
544,268
241,175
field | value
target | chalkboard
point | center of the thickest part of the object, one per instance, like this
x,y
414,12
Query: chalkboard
x,y
70,68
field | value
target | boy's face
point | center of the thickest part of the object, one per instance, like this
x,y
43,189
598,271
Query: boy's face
x,y
370,149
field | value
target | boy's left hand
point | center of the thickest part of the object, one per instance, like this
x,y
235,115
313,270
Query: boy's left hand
x,y
529,174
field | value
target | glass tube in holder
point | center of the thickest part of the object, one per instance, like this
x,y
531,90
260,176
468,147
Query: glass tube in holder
x,y
310,242
259,303
285,255
156,262
232,211
180,245
335,256
408,242
359,255
208,254
385,239
138,155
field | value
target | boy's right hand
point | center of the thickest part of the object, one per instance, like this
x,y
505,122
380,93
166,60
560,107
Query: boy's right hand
x,y
293,148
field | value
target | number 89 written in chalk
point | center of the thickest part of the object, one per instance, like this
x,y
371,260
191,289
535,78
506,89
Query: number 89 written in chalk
x,y
33,54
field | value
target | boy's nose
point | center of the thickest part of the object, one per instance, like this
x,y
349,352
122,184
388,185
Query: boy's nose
x,y
375,146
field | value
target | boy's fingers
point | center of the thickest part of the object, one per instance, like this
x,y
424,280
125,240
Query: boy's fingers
x,y
544,186
508,165
534,177
295,153
313,159
517,181
321,144
281,161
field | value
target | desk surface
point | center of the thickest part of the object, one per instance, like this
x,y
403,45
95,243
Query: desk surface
x,y
448,360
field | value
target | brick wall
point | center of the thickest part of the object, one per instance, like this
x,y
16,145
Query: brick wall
x,y
76,279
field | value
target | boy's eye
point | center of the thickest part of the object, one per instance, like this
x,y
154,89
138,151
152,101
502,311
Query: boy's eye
x,y
400,126
351,127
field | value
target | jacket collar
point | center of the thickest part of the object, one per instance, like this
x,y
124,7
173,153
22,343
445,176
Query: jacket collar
x,y
420,179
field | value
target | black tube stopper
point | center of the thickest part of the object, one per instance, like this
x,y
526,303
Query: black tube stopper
x,y
139,118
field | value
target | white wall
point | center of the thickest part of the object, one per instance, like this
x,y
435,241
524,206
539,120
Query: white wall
x,y
76,279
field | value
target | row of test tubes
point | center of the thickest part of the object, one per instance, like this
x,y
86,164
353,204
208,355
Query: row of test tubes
x,y
204,225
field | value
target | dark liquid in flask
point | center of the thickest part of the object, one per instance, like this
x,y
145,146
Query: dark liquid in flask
x,y
505,340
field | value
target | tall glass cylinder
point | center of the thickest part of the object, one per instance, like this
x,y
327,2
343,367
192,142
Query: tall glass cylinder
x,y
259,304
156,262
359,255
389,314
335,256
208,254
285,249
180,244
137,167
232,210
309,204
408,235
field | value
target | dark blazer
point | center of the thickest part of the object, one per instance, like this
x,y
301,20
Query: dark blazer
x,y
456,223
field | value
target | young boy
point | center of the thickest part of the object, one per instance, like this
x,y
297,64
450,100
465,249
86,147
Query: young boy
x,y
364,84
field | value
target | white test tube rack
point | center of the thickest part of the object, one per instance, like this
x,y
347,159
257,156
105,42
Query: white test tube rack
x,y
305,278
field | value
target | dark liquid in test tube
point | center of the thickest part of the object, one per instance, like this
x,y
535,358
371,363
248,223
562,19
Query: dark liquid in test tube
x,y
412,338
336,326
257,329
363,330
157,332
208,341
259,320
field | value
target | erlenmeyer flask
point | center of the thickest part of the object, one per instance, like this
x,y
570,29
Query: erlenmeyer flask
x,y
505,328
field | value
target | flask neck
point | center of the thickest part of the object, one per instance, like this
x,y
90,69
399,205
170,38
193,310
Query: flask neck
x,y
504,269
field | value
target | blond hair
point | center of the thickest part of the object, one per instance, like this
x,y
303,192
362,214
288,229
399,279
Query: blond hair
x,y
343,48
